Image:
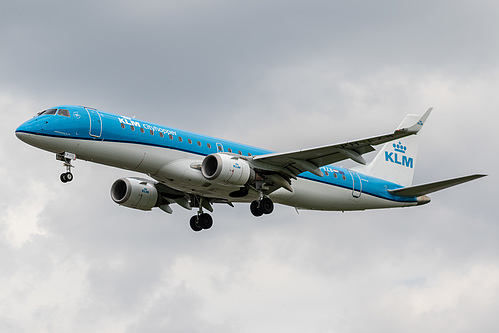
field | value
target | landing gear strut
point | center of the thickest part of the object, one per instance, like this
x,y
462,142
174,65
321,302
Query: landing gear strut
x,y
66,158
263,206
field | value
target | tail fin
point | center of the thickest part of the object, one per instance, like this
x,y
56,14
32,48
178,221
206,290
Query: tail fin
x,y
397,159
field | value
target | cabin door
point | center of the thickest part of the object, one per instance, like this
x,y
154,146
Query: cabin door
x,y
95,123
356,184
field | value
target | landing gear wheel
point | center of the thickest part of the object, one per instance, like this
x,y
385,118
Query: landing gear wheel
x,y
266,206
66,177
256,208
69,176
205,221
194,222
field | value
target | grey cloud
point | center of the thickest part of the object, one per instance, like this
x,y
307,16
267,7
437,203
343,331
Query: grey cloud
x,y
215,56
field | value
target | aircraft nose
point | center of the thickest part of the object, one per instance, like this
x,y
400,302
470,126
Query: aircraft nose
x,y
21,133
26,130
25,127
22,136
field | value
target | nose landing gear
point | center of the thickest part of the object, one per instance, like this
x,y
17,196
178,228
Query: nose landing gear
x,y
66,158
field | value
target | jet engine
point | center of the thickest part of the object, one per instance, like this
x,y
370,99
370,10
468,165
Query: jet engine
x,y
225,169
135,193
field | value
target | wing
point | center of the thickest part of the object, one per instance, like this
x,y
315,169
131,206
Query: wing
x,y
293,163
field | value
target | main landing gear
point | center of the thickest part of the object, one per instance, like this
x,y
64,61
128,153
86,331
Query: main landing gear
x,y
202,220
66,158
260,207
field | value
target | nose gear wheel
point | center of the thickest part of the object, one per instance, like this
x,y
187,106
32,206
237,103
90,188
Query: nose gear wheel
x,y
66,177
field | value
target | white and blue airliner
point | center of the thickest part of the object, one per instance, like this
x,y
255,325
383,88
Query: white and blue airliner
x,y
197,171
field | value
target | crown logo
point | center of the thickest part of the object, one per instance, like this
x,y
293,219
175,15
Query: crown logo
x,y
399,147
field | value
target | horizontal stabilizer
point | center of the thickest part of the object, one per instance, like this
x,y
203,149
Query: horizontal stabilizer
x,y
419,190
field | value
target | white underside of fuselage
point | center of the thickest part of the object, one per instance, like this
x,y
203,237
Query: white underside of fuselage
x,y
177,169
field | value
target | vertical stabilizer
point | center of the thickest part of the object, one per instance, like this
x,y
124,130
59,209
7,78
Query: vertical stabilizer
x,y
397,159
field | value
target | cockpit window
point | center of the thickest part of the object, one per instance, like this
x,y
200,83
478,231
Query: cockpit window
x,y
49,111
60,112
63,112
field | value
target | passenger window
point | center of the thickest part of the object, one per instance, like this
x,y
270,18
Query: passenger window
x,y
239,152
161,134
132,127
63,112
344,178
208,145
180,139
141,130
152,132
229,150
189,140
199,144
122,125
327,173
170,136
335,175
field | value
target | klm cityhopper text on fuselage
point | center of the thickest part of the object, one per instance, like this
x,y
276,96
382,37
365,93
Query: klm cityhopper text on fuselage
x,y
196,171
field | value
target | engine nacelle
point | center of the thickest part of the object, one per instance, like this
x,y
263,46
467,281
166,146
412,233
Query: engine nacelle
x,y
135,193
225,169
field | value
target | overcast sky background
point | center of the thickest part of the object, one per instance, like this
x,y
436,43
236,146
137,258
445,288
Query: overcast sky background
x,y
277,74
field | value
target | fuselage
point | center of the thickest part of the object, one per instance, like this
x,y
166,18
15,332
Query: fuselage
x,y
172,157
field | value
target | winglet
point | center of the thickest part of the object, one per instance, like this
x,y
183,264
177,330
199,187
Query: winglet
x,y
417,126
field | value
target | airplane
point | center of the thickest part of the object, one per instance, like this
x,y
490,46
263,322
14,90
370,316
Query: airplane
x,y
197,171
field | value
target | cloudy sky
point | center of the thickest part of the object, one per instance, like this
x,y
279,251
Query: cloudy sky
x,y
277,74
